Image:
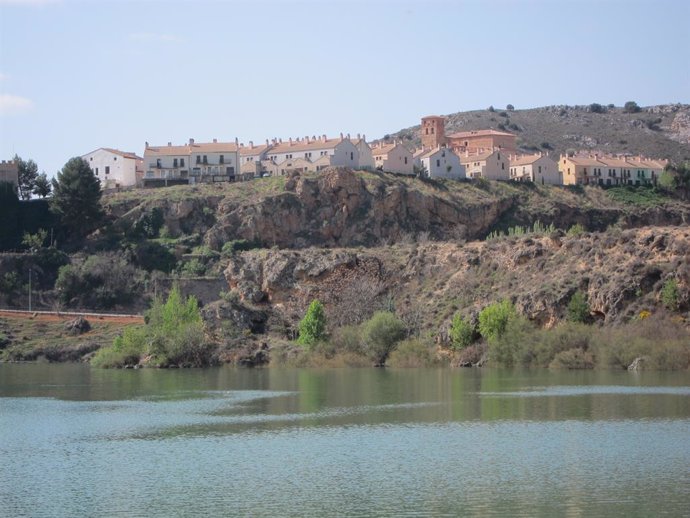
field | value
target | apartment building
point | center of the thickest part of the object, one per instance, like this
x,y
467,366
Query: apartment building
x,y
536,168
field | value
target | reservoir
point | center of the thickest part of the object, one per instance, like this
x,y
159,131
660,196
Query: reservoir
x,y
79,442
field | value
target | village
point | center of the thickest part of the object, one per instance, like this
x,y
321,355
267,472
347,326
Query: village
x,y
482,154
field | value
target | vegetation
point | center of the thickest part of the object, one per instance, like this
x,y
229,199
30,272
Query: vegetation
x,y
312,328
77,198
462,333
42,186
380,334
670,295
493,319
631,107
578,309
27,173
173,335
536,229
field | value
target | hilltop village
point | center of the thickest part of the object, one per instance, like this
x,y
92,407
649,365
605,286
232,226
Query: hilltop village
x,y
489,154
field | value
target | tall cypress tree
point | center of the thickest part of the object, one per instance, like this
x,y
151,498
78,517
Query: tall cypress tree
x,y
77,198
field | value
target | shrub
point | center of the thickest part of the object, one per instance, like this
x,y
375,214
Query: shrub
x,y
237,245
312,328
493,319
597,108
462,333
631,107
578,309
670,295
101,282
150,256
347,338
575,230
491,109
127,349
411,353
380,334
193,268
573,359
510,107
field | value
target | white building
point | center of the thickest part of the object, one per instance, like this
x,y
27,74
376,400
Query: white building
x,y
393,158
314,154
193,162
114,168
442,163
366,158
491,165
253,158
536,169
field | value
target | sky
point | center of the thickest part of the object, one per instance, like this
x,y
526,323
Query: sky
x,y
77,75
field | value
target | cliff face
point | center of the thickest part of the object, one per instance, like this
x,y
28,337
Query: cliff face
x,y
620,272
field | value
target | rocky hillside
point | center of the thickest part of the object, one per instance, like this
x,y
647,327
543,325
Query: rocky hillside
x,y
621,273
657,131
341,208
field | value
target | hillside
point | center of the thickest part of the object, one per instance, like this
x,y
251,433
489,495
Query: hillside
x,y
256,253
656,131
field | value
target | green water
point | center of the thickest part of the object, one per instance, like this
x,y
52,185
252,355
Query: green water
x,y
76,442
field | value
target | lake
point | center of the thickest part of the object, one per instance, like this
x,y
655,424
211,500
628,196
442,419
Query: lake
x,y
76,442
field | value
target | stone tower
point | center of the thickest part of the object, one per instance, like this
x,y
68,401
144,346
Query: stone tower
x,y
433,131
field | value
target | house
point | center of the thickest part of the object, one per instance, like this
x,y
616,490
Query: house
x,y
442,163
646,171
192,163
115,168
393,158
482,141
536,168
9,172
253,159
366,158
315,154
581,170
491,165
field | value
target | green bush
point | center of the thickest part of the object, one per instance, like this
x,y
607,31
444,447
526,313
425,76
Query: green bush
x,y
193,268
173,335
380,334
507,346
101,282
411,353
312,328
462,333
494,318
347,338
573,359
151,256
578,309
670,295
575,230
237,245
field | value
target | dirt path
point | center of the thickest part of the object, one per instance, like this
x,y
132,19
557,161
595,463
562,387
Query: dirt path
x,y
52,316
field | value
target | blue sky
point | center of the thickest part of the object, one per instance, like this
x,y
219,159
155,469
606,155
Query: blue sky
x,y
79,75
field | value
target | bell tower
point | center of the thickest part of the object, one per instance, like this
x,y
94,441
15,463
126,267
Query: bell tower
x,y
433,131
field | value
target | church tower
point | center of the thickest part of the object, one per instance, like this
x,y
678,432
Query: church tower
x,y
433,131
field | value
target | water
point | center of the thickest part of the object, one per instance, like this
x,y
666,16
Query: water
x,y
76,441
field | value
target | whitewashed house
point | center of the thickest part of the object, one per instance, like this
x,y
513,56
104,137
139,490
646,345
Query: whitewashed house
x,y
536,169
114,168
366,158
192,163
491,165
393,158
314,154
442,163
253,158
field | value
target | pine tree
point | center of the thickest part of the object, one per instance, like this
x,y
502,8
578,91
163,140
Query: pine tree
x,y
77,198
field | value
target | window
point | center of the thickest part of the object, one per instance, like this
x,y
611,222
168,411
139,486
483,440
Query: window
x,y
405,159
91,159
352,156
438,163
426,132
205,159
114,158
158,163
198,159
221,159
97,170
107,169
174,162
539,169
503,165
181,162
432,131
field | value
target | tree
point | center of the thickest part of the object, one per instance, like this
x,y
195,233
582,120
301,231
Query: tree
x,y
27,172
670,295
494,318
77,198
312,328
42,185
34,242
631,107
380,334
578,309
461,332
510,107
596,108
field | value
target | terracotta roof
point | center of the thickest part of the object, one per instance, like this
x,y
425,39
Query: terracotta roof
x,y
302,145
586,161
384,149
256,150
615,162
432,152
525,160
188,149
480,133
124,154
475,158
